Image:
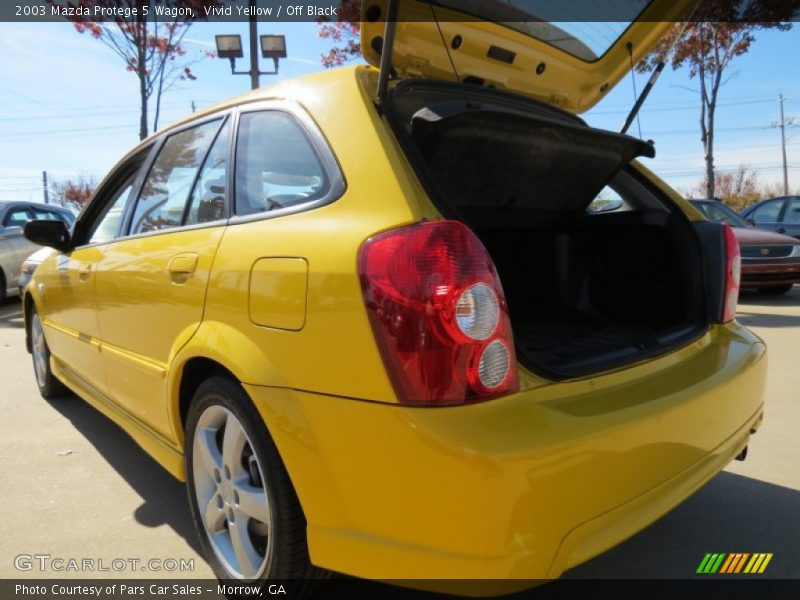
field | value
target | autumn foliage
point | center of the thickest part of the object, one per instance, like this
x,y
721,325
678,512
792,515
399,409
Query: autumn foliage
x,y
153,50
720,32
344,33
73,193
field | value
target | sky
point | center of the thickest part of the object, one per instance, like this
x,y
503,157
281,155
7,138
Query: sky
x,y
68,107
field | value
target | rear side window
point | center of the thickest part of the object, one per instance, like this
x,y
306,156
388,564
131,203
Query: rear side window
x,y
793,212
49,215
276,165
768,212
165,192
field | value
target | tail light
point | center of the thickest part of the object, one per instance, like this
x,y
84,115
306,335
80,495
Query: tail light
x,y
438,313
733,273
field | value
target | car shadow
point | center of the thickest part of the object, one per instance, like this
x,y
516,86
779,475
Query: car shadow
x,y
732,513
163,497
750,319
754,298
11,314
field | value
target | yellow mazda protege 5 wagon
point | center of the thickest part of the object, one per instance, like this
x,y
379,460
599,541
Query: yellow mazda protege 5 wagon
x,y
403,327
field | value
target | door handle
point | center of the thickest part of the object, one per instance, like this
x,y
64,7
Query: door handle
x,y
84,271
183,264
781,230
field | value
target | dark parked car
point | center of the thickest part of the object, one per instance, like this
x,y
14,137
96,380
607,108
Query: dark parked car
x,y
14,247
770,261
781,215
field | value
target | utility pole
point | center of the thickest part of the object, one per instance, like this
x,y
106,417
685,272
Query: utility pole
x,y
783,148
44,185
782,125
194,107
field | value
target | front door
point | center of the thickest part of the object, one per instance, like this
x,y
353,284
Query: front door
x,y
68,291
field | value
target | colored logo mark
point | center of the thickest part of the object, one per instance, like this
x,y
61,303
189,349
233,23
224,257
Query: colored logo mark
x,y
737,562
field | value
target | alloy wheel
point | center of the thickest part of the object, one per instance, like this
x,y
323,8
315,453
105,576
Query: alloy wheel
x,y
231,495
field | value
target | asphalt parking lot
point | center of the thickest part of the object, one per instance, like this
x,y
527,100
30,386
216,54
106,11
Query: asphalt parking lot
x,y
77,486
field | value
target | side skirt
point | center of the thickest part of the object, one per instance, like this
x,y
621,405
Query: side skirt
x,y
152,442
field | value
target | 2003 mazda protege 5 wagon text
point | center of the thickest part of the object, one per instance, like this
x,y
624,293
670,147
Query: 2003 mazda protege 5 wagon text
x,y
380,323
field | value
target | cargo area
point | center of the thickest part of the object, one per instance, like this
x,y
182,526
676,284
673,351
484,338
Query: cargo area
x,y
599,270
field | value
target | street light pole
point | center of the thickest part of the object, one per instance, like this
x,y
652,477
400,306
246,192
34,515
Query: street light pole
x,y
272,46
254,81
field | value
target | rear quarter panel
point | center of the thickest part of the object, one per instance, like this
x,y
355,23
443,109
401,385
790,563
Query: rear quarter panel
x,y
334,350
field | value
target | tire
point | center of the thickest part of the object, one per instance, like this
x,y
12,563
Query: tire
x,y
272,544
2,288
49,386
776,290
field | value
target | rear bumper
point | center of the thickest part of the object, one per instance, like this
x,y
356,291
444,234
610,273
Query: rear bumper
x,y
522,487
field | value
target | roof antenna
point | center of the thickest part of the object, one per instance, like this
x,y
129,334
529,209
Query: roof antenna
x,y
629,46
449,56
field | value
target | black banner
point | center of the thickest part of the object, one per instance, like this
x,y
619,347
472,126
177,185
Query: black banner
x,y
740,586
277,11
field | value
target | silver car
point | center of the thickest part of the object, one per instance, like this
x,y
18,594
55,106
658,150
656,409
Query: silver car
x,y
14,248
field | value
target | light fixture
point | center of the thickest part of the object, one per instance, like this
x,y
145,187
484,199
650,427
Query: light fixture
x,y
229,46
274,47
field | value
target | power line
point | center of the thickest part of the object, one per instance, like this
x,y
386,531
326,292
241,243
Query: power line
x,y
677,109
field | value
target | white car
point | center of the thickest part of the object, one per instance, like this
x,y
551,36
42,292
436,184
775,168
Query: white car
x,y
14,247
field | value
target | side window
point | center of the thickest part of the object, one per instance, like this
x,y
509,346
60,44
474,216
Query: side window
x,y
714,213
166,190
207,202
768,212
792,212
608,200
49,215
276,165
16,217
45,215
107,227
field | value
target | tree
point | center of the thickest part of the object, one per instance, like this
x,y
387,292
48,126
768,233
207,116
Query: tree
x,y
345,33
73,193
739,188
722,31
151,49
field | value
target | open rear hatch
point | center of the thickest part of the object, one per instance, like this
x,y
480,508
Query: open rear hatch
x,y
600,268
568,54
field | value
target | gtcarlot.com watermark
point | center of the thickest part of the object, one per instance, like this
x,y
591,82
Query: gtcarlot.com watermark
x,y
46,563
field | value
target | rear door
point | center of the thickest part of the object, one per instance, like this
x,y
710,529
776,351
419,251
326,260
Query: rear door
x,y
151,282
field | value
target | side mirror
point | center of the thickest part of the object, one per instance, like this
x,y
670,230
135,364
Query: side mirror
x,y
750,221
48,233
